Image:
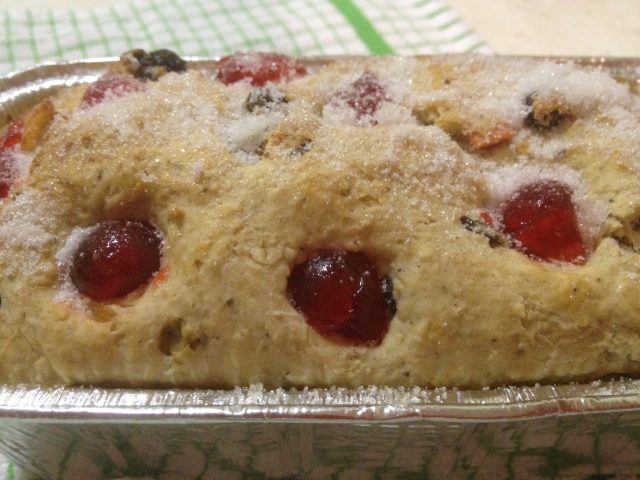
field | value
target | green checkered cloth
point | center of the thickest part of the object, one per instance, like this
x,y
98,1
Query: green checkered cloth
x,y
209,28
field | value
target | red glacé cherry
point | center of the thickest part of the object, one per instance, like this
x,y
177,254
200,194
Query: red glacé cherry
x,y
115,259
364,96
540,221
13,135
259,68
110,84
9,143
343,294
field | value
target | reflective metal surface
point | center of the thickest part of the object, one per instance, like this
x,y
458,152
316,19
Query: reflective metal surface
x,y
335,404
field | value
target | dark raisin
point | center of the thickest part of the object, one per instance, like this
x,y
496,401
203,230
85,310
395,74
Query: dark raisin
x,y
624,243
170,336
264,99
198,341
426,115
261,148
547,113
496,239
302,148
165,58
386,285
152,65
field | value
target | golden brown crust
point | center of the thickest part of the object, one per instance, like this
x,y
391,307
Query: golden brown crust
x,y
240,197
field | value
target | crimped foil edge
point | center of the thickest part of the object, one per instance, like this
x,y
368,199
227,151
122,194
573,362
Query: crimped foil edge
x,y
332,404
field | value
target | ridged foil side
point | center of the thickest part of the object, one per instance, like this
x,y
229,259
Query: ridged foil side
x,y
364,403
569,431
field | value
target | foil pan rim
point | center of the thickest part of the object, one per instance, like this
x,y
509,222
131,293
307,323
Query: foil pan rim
x,y
19,89
256,403
31,403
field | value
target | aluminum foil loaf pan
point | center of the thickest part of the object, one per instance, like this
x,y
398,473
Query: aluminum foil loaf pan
x,y
562,431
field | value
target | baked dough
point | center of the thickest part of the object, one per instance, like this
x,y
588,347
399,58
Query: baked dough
x,y
241,196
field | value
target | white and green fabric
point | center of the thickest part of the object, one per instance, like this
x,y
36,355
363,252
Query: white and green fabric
x,y
208,28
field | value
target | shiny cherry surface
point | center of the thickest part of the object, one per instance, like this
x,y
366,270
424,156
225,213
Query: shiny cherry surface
x,y
116,258
343,294
540,221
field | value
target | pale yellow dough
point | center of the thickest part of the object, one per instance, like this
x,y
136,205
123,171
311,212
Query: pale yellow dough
x,y
182,154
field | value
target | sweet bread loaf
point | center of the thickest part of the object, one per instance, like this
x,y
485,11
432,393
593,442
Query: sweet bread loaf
x,y
448,221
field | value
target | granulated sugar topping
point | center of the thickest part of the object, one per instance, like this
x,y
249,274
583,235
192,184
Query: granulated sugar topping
x,y
67,292
25,228
174,104
465,219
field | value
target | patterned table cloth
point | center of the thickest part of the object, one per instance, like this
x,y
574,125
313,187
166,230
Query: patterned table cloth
x,y
210,28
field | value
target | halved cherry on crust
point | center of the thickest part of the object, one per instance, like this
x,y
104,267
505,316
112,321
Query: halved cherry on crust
x,y
364,96
540,221
116,258
110,84
258,68
342,294
8,146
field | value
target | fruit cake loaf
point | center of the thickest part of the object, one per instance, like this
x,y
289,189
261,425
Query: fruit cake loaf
x,y
448,221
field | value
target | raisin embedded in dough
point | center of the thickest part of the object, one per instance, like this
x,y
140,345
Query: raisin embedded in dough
x,y
152,65
546,113
264,99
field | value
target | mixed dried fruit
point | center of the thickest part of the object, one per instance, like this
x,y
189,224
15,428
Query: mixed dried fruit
x,y
546,113
264,99
152,65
